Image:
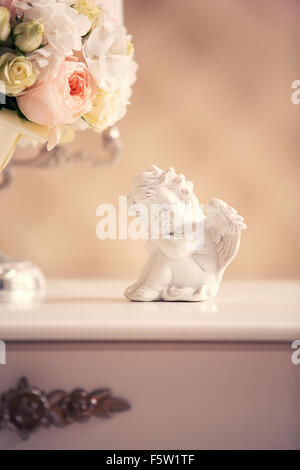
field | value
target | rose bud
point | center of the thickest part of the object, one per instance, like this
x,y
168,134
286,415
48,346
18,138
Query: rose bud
x,y
4,24
28,36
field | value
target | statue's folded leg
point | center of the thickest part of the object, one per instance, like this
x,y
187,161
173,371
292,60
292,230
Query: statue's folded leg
x,y
153,284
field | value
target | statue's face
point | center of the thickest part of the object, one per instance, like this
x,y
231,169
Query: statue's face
x,y
164,195
168,207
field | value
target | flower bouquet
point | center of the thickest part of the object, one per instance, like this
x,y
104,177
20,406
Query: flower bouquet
x,y
65,65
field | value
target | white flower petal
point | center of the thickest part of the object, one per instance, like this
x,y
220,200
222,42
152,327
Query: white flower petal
x,y
105,51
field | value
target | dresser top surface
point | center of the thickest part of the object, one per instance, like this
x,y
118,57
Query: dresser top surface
x,y
92,310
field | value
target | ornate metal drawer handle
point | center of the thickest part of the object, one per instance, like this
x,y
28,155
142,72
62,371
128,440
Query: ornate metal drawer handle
x,y
25,408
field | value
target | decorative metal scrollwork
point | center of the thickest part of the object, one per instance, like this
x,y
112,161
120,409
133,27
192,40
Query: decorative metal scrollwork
x,y
25,409
5,178
110,150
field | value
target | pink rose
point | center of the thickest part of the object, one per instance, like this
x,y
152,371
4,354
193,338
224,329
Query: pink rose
x,y
62,99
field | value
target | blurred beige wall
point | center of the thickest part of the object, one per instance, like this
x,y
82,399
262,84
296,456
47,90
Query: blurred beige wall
x,y
212,100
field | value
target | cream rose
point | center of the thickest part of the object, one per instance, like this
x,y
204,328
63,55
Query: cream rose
x,y
4,24
89,9
62,99
28,36
108,108
16,73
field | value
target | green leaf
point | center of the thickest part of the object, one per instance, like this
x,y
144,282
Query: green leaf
x,y
10,103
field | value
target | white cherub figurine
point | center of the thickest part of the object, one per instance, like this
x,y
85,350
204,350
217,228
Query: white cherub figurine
x,y
179,268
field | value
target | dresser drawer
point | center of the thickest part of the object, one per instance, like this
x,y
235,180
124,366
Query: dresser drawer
x,y
182,395
205,375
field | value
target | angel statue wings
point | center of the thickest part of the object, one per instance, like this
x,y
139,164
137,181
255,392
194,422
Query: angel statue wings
x,y
186,260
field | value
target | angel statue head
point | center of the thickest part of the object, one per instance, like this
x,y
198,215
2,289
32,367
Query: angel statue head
x,y
168,199
179,268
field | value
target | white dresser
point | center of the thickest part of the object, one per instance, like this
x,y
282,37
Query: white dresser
x,y
215,375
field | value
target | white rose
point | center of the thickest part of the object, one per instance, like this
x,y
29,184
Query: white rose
x,y
16,73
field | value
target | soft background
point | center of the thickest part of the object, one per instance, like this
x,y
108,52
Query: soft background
x,y
212,100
